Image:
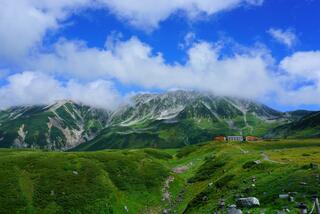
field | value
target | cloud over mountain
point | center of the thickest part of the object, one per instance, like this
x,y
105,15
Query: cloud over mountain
x,y
28,88
132,62
42,64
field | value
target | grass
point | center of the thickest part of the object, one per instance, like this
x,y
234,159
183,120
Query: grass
x,y
100,182
234,179
34,181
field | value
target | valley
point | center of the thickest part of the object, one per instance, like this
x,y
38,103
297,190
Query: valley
x,y
193,178
156,154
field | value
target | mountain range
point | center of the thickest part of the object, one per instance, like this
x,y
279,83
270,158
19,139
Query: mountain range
x,y
167,120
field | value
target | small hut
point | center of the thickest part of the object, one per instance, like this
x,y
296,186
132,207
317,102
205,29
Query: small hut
x,y
252,138
220,138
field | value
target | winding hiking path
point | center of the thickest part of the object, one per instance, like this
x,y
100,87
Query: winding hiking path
x,y
266,158
165,190
243,151
166,196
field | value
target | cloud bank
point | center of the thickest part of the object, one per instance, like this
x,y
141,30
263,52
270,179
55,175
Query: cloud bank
x,y
132,62
250,72
28,88
303,78
24,23
145,15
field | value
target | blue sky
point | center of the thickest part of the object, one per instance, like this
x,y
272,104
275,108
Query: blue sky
x,y
99,52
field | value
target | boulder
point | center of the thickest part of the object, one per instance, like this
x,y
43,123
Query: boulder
x,y
248,202
233,209
126,209
257,162
284,196
165,211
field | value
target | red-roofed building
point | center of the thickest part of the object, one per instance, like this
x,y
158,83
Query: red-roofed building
x,y
252,138
220,138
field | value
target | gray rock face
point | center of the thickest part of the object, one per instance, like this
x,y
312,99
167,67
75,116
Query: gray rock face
x,y
65,124
248,202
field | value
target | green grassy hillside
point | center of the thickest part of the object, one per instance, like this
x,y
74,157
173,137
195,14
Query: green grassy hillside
x,y
161,134
167,120
101,182
306,127
188,180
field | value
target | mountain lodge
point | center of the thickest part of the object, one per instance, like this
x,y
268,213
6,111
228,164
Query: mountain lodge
x,y
236,138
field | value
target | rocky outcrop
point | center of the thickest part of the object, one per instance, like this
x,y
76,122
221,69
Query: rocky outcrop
x,y
233,210
248,202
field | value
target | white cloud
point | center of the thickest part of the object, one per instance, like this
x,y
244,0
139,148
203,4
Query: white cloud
x,y
302,78
305,64
188,40
132,62
147,14
99,93
29,88
24,23
249,73
286,37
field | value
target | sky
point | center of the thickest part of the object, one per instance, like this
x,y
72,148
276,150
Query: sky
x,y
100,52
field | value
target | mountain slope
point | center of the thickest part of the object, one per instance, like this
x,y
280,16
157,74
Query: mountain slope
x,y
167,120
65,183
306,127
60,126
180,118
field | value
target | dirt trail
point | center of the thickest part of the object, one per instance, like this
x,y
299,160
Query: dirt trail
x,y
266,158
166,196
243,151
165,190
180,169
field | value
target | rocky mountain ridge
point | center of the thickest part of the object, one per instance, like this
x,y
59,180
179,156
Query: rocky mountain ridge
x,y
171,119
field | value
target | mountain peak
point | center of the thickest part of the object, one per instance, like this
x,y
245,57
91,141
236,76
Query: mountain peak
x,y
170,119
57,104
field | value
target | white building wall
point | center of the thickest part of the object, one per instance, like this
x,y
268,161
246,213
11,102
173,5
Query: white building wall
x,y
235,138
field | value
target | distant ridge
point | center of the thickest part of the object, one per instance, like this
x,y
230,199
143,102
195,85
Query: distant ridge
x,y
307,126
165,120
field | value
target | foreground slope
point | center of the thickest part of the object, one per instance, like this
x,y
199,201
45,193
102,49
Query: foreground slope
x,y
192,179
101,182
